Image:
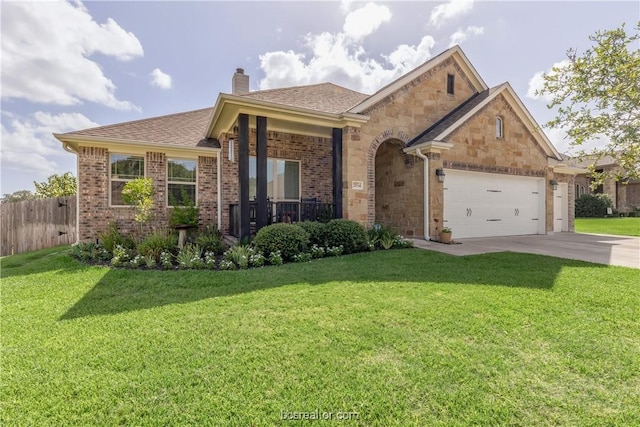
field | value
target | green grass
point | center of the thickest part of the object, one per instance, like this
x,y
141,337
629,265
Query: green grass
x,y
405,337
618,226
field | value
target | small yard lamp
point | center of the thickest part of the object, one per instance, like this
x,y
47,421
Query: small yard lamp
x,y
440,174
554,184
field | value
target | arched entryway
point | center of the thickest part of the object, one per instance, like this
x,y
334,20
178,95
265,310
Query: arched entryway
x,y
399,189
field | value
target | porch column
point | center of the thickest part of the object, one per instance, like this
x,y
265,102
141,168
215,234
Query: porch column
x,y
243,174
261,161
337,171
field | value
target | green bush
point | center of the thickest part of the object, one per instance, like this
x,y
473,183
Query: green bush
x,y
210,240
592,205
317,232
112,238
289,239
349,234
156,243
184,212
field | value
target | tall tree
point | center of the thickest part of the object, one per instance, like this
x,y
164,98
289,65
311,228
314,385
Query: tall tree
x,y
57,186
597,96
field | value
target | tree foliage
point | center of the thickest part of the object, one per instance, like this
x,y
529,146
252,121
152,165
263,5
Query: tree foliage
x,y
57,186
18,196
139,194
597,96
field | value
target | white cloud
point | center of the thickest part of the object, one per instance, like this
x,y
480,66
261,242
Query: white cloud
x,y
366,20
28,145
340,57
462,35
47,49
160,79
537,82
444,12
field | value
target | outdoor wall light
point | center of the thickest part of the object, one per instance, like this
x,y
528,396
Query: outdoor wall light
x,y
554,184
231,150
440,174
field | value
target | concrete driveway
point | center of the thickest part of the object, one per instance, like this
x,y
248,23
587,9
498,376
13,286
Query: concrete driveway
x,y
598,248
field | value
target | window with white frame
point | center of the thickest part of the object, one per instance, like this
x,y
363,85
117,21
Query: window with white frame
x,y
499,128
123,168
283,179
181,182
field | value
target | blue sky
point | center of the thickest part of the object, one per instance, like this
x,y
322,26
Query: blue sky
x,y
71,65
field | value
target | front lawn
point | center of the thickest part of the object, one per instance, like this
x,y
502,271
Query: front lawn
x,y
403,337
618,226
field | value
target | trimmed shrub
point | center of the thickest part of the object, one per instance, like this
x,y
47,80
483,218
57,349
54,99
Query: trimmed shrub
x,y
156,243
349,234
317,232
592,205
289,239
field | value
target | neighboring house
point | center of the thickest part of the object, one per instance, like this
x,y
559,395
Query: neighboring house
x,y
624,193
437,147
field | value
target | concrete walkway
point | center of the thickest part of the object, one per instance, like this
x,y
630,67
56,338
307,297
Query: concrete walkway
x,y
598,248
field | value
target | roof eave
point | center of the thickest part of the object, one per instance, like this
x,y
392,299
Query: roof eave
x,y
74,141
430,146
546,144
228,107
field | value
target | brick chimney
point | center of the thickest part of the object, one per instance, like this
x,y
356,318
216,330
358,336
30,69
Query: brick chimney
x,y
239,83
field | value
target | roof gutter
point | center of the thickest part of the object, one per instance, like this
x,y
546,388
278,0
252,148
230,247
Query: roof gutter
x,y
67,140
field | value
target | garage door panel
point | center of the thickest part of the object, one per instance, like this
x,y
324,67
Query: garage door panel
x,y
480,204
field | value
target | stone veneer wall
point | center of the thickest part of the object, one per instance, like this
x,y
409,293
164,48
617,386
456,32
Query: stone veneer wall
x,y
400,116
314,154
399,182
95,212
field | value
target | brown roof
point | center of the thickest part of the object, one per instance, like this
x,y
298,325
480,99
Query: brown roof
x,y
183,129
324,97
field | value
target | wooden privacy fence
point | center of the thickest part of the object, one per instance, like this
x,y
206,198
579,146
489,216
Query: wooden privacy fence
x,y
38,224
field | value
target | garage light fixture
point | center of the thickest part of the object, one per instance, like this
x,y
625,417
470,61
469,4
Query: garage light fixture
x,y
554,184
440,174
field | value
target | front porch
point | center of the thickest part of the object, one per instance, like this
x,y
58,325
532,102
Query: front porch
x,y
281,212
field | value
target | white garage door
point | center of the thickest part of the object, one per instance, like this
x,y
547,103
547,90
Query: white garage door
x,y
483,204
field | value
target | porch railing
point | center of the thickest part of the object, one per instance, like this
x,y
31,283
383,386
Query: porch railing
x,y
288,212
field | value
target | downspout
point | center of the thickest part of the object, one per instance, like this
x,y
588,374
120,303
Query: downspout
x,y
71,150
219,191
426,193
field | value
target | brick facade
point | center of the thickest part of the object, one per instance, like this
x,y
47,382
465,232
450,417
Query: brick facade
x,y
314,154
94,186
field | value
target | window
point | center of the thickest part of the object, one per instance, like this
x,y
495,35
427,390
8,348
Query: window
x,y
181,181
451,80
580,190
124,169
283,179
499,129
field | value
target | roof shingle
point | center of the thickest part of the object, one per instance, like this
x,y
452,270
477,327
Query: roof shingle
x,y
323,97
182,129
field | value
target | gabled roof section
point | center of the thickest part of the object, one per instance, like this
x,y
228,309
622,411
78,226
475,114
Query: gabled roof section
x,y
456,118
447,121
455,52
324,97
175,130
